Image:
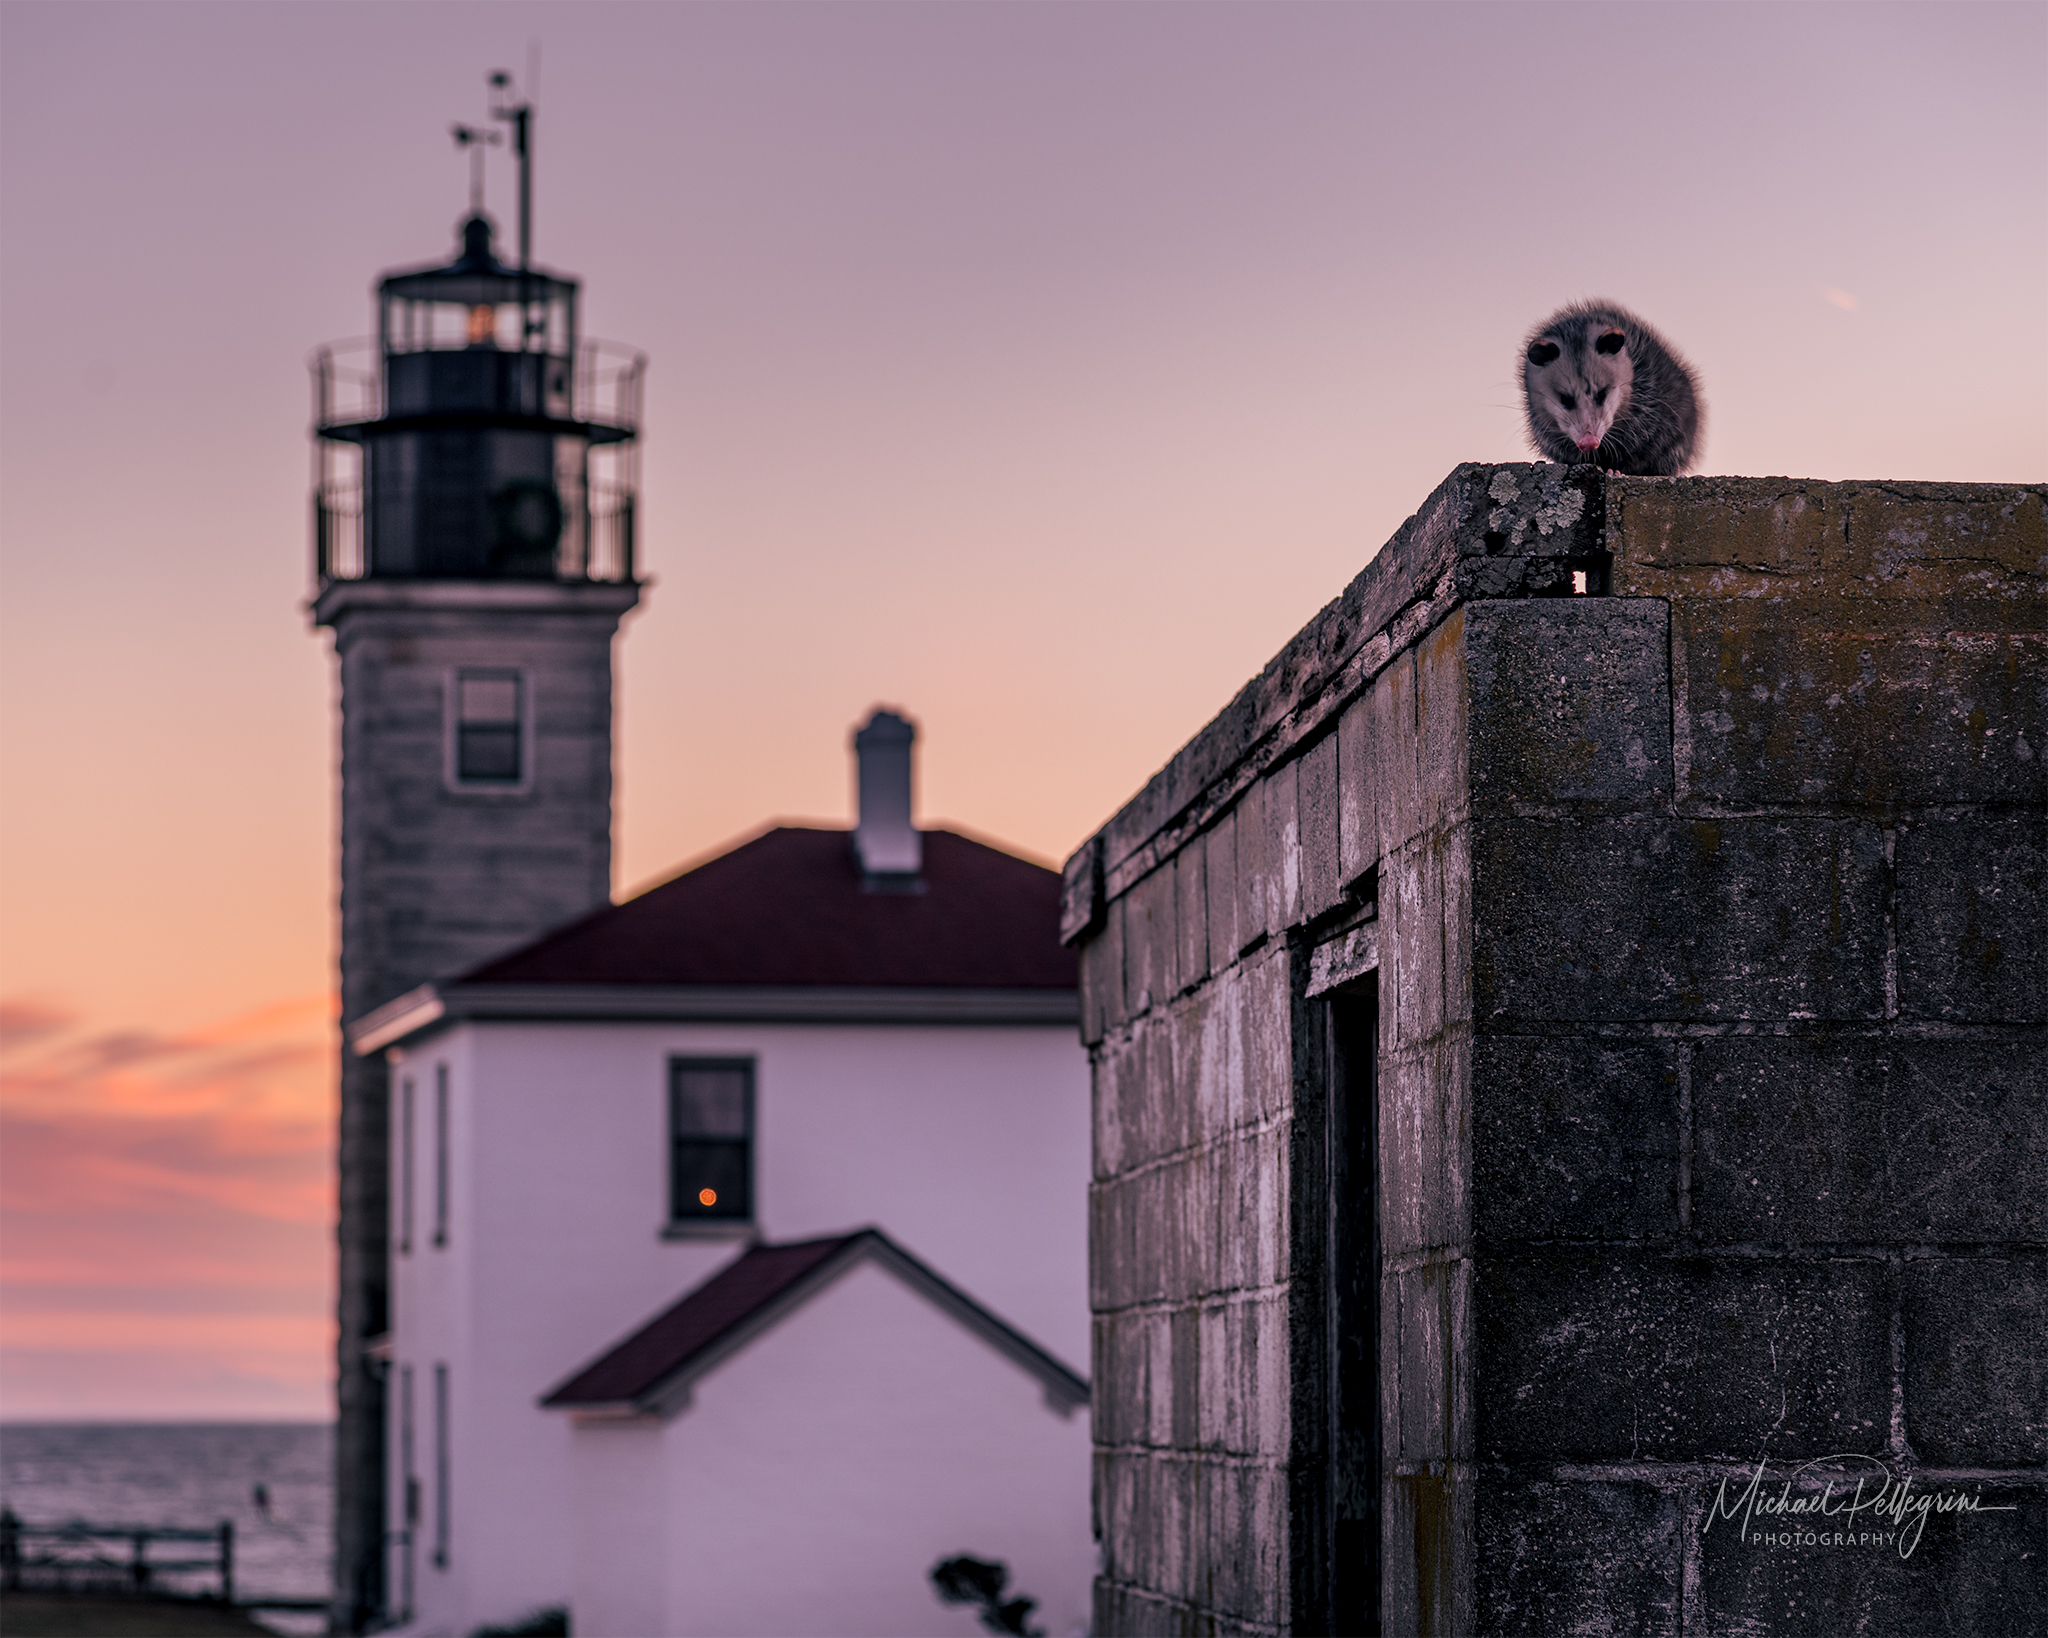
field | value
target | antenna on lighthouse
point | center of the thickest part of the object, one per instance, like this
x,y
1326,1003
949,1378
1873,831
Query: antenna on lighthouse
x,y
517,111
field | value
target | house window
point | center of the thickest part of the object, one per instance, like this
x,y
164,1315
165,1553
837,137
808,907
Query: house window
x,y
405,1166
711,1139
440,1154
490,728
442,1516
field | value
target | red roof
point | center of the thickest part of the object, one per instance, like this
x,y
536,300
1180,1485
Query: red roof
x,y
669,1341
788,908
763,1282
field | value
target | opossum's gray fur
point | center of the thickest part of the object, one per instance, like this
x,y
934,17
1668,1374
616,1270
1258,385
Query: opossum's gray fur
x,y
1600,385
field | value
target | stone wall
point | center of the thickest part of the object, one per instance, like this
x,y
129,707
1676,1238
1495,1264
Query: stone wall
x,y
1695,934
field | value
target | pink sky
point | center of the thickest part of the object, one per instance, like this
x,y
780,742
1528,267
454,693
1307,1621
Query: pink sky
x,y
1038,368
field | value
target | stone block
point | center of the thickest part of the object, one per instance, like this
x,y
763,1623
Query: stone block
x,y
1913,540
1262,1332
1216,1367
1451,1065
1973,939
1275,1260
1280,879
1255,865
1358,824
1776,526
1151,942
1453,850
1170,1506
1976,1367
1968,553
1193,1192
1191,912
1570,701
1430,1356
1644,917
1116,1077
1319,823
1104,1229
1133,1612
1411,944
1596,1556
1242,1568
1247,1224
1574,1139
1206,1033
1424,1147
1853,1140
1155,1406
1223,906
1390,1380
1525,529
1972,1575
1154,1114
1409,1167
1184,1380
1121,1360
1109,1251
1393,750
1081,891
1112,1487
1137,1250
1111,1608
1268,1040
1426,1551
1653,1359
1243,1376
1442,724
1102,977
1833,704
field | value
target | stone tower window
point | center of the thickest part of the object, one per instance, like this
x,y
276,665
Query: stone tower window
x,y
490,723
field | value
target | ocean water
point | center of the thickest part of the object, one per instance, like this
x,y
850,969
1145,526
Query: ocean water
x,y
192,1475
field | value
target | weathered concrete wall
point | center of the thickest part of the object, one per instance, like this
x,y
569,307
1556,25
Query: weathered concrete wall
x,y
1703,926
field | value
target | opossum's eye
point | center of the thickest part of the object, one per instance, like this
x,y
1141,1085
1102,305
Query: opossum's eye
x,y
1610,342
1543,352
1600,397
1568,400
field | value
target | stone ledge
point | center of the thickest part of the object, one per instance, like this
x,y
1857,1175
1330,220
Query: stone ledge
x,y
1521,530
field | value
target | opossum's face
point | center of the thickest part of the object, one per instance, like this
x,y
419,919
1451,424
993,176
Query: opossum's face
x,y
1581,389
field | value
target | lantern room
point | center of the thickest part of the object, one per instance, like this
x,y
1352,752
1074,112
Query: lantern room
x,y
478,436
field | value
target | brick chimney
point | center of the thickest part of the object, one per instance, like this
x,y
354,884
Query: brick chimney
x,y
885,837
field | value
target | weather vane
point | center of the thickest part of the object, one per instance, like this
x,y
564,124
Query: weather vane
x,y
475,141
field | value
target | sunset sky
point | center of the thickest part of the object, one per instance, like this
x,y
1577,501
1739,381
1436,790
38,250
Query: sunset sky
x,y
1037,368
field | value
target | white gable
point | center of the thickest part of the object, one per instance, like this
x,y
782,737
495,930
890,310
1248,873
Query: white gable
x,y
815,1475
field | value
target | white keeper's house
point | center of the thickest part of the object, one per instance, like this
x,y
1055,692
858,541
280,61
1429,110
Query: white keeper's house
x,y
738,1248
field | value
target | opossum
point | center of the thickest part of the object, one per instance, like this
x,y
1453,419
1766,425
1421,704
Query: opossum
x,y
1602,386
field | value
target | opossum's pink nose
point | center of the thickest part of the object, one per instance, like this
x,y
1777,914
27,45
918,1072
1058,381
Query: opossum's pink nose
x,y
1587,443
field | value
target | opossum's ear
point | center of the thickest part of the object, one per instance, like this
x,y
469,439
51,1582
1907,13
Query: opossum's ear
x,y
1611,341
1542,352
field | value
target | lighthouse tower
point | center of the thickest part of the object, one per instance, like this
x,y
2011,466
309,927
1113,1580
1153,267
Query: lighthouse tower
x,y
473,556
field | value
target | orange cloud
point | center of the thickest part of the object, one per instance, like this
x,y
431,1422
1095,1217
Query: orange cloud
x,y
165,1212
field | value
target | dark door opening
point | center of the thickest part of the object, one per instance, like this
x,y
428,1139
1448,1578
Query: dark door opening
x,y
1352,1311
